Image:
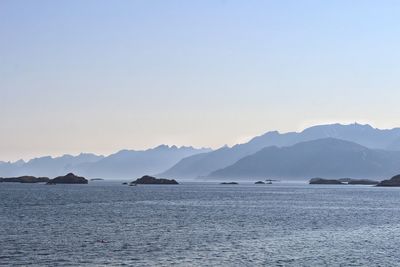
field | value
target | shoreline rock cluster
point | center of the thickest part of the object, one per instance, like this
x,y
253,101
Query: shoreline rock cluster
x,y
25,179
70,178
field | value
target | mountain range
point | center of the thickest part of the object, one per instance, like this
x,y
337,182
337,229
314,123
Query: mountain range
x,y
328,158
131,163
331,150
47,166
204,164
123,164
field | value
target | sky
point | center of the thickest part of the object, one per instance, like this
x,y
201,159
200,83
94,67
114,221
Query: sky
x,y
99,76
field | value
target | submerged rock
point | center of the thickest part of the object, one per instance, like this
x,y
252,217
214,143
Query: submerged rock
x,y
324,181
229,183
153,180
70,178
394,181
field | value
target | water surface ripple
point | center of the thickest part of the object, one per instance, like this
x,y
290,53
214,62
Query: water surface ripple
x,y
105,223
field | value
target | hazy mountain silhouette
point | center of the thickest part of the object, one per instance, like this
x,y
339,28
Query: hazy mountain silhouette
x,y
123,164
328,158
203,165
133,164
47,166
187,162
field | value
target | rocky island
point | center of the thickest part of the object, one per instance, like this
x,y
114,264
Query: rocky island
x,y
394,181
153,180
259,182
25,179
343,181
324,181
229,183
97,179
70,178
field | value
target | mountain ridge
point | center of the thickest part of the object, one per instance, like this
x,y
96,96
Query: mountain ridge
x,y
362,134
86,163
327,157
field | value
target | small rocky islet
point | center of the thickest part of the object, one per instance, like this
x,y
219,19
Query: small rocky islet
x,y
343,181
324,181
70,178
96,179
153,180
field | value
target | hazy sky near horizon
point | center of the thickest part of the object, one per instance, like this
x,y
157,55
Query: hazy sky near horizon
x,y
99,76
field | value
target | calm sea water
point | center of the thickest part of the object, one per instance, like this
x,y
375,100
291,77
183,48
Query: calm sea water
x,y
106,223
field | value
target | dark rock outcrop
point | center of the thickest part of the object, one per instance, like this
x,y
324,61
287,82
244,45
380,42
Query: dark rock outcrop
x,y
324,181
25,179
259,182
229,183
152,180
394,181
343,181
70,178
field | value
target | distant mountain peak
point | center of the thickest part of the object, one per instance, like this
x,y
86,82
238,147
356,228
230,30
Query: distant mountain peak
x,y
273,133
175,147
19,162
162,146
363,125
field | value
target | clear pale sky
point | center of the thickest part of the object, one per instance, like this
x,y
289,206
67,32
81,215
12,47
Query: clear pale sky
x,y
99,76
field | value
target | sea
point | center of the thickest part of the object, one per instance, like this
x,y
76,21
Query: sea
x,y
199,224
